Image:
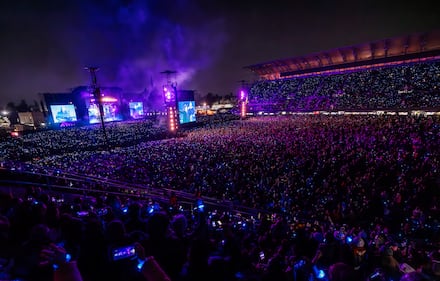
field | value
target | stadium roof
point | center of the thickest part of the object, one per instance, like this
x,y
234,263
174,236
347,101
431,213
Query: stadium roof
x,y
402,48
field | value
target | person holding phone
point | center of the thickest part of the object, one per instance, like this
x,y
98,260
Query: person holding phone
x,y
67,270
64,268
149,267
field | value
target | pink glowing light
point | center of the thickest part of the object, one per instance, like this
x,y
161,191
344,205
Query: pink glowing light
x,y
109,99
242,95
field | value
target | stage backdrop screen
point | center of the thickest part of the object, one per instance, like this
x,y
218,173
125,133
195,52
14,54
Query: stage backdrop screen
x,y
63,113
187,111
110,113
136,110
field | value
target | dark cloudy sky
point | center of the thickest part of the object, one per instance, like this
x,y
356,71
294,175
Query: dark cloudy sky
x,y
45,44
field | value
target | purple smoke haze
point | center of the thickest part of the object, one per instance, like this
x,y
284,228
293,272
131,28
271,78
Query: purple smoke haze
x,y
131,42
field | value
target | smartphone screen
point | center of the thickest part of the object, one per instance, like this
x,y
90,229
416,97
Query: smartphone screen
x,y
123,252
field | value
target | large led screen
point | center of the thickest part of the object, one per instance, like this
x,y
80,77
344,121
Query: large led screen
x,y
63,113
110,113
136,110
187,111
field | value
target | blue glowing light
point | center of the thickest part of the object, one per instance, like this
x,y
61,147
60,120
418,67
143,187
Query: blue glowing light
x,y
140,265
319,273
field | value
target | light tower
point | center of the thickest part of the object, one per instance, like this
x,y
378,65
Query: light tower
x,y
243,98
98,99
170,99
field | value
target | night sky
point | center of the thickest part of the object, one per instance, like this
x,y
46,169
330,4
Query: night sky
x,y
45,44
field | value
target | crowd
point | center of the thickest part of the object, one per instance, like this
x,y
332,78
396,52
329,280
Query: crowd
x,y
413,86
349,196
86,138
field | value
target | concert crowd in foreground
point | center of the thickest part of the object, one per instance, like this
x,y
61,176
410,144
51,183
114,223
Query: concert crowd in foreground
x,y
321,197
357,194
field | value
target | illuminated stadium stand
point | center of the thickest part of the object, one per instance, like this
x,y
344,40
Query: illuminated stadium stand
x,y
315,78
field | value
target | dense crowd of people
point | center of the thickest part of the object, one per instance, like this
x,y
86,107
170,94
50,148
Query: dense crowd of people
x,y
348,196
334,197
86,138
398,87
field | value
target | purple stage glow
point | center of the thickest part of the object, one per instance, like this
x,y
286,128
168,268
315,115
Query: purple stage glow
x,y
161,42
131,41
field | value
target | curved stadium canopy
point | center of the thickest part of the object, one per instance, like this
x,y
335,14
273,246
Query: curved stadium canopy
x,y
419,46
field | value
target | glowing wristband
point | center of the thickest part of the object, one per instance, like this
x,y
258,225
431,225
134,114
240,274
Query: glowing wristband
x,y
141,263
67,258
